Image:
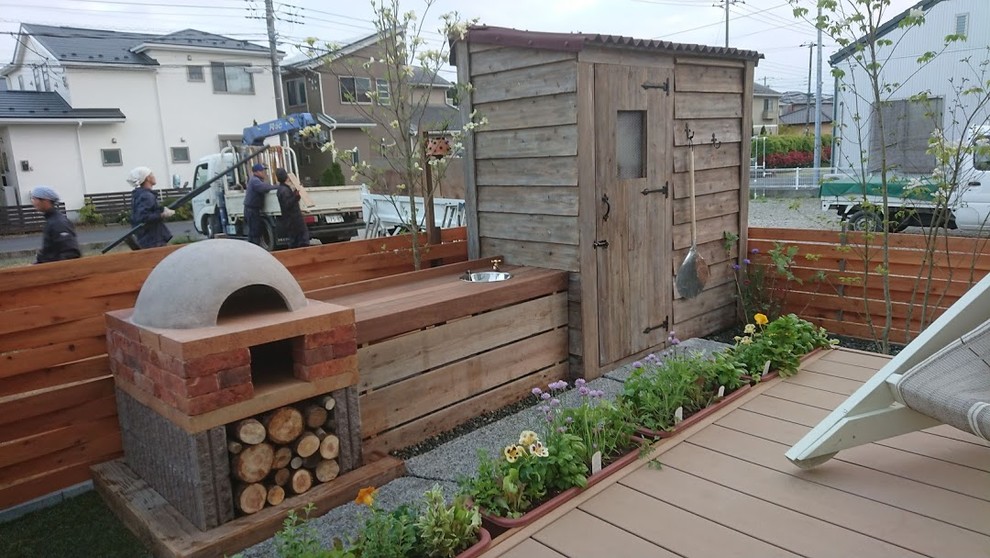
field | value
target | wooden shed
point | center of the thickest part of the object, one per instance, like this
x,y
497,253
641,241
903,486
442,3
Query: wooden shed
x,y
583,166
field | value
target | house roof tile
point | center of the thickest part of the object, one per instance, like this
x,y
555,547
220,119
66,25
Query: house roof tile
x,y
48,105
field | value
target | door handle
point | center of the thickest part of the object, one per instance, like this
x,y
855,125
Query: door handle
x,y
973,183
608,207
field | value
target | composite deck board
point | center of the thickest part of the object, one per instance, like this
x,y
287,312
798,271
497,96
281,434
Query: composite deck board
x,y
929,470
950,507
529,548
579,535
726,489
680,531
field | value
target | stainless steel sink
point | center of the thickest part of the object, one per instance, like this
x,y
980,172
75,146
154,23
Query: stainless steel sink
x,y
485,276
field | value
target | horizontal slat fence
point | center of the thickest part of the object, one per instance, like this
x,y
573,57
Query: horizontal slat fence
x,y
111,205
20,219
57,408
849,297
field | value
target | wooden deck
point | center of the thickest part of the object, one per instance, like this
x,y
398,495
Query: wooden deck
x,y
725,489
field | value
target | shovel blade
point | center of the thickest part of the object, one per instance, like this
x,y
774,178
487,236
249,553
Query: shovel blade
x,y
692,275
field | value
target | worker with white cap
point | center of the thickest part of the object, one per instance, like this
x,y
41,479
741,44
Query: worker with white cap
x,y
146,209
58,240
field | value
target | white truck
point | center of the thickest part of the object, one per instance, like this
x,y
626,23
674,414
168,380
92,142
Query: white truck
x,y
911,200
336,213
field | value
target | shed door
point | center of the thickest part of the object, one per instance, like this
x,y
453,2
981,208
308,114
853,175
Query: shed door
x,y
633,113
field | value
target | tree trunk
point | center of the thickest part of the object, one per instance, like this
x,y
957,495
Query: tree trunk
x,y
282,476
276,494
327,470
250,431
315,416
250,498
283,456
302,480
308,444
330,447
253,463
284,425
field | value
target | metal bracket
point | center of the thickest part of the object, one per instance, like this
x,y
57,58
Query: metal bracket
x,y
665,86
600,244
716,143
664,190
664,325
608,207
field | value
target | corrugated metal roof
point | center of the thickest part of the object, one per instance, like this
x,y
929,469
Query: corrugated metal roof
x,y
74,44
574,42
47,105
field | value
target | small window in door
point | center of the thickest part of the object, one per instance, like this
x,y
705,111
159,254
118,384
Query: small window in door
x,y
111,157
630,143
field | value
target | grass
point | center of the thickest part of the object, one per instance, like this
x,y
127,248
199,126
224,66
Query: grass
x,y
81,527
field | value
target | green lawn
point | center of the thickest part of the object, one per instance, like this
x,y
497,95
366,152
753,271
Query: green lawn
x,y
81,527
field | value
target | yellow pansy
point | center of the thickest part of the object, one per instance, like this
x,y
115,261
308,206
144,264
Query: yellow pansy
x,y
527,438
750,329
760,319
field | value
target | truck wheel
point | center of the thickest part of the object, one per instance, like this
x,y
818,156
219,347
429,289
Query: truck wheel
x,y
268,238
867,221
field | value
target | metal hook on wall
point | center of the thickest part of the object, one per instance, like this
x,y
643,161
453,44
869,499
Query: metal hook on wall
x,y
689,133
716,143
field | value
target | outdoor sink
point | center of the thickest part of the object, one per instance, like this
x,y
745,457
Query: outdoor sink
x,y
485,276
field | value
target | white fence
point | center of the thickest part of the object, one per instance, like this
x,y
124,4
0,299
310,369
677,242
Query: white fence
x,y
786,178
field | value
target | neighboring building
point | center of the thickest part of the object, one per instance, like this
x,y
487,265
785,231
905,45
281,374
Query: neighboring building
x,y
909,125
801,116
87,105
335,88
766,109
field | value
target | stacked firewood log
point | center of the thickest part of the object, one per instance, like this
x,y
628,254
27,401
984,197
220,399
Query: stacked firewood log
x,y
283,452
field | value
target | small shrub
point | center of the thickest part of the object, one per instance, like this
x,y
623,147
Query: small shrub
x,y
182,213
781,343
333,175
88,214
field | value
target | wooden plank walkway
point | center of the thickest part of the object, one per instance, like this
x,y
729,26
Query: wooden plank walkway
x,y
724,487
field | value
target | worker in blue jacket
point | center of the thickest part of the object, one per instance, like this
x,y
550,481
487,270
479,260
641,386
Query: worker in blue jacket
x,y
146,209
254,200
58,240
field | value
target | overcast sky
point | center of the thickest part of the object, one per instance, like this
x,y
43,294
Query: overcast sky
x,y
766,26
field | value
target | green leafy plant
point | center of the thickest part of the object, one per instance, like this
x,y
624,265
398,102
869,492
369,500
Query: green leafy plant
x,y
88,214
333,175
781,343
761,284
298,538
602,426
444,530
182,213
388,534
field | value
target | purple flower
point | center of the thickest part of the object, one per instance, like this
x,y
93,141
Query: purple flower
x,y
755,250
561,429
544,396
675,341
583,390
735,267
555,402
568,420
598,394
558,385
537,392
637,364
652,358
579,382
545,408
746,261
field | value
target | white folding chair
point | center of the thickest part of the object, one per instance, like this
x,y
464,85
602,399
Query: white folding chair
x,y
943,376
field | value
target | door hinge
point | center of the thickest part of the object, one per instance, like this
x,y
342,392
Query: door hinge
x,y
665,86
664,190
600,244
664,325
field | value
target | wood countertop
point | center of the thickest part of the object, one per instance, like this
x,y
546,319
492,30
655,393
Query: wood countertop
x,y
410,301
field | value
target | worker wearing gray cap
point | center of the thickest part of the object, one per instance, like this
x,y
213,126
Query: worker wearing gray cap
x,y
58,240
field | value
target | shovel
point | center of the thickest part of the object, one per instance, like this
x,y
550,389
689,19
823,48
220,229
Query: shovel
x,y
693,274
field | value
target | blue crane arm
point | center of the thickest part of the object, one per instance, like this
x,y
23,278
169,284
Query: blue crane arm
x,y
255,135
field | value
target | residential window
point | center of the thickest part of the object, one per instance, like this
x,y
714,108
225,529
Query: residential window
x,y
907,127
232,78
384,92
355,90
451,96
111,157
37,78
20,82
981,153
295,91
195,73
47,79
766,105
962,24
180,154
355,157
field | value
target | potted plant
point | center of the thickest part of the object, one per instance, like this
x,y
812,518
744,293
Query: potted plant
x,y
678,388
437,530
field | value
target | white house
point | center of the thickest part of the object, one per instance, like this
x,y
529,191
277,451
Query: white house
x,y
909,125
84,106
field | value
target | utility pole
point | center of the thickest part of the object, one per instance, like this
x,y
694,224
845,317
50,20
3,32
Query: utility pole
x,y
273,51
807,103
727,4
817,172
